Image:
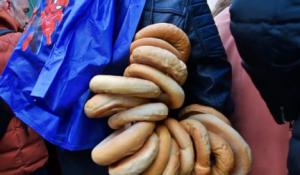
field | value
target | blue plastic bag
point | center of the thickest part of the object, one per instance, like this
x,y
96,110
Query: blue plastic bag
x,y
68,42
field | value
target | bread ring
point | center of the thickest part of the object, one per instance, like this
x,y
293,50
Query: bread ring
x,y
185,144
159,164
122,143
146,112
138,162
102,105
201,109
124,86
224,158
173,162
161,59
170,33
155,42
201,143
241,150
167,84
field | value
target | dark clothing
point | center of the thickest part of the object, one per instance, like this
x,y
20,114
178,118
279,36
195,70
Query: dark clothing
x,y
6,116
79,163
294,150
209,79
267,36
41,171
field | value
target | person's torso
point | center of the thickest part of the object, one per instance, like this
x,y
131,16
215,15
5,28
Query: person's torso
x,y
22,151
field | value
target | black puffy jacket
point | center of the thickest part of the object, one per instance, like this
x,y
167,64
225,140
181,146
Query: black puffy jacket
x,y
267,34
209,79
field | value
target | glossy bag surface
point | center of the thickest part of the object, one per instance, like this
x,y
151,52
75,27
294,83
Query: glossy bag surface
x,y
68,42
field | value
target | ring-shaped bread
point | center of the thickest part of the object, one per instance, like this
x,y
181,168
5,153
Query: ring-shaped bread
x,y
241,150
122,143
165,142
139,161
170,33
103,105
185,144
119,85
167,84
161,59
174,160
202,147
147,112
155,42
201,109
223,155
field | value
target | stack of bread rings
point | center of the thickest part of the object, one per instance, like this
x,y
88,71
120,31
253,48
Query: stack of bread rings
x,y
145,140
220,150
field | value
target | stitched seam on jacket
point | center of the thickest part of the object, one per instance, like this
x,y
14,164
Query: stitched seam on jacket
x,y
165,10
187,14
19,152
40,159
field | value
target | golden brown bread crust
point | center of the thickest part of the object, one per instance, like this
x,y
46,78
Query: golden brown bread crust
x,y
103,105
155,42
241,150
139,161
122,143
170,33
201,109
175,92
164,151
174,160
161,59
185,144
147,112
120,85
201,144
224,158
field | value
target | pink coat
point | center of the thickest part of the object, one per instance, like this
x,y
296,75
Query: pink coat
x,y
268,141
